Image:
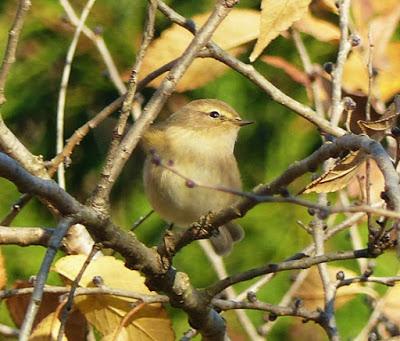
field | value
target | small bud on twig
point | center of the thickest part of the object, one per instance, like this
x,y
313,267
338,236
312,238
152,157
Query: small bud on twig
x,y
329,67
355,40
340,276
349,104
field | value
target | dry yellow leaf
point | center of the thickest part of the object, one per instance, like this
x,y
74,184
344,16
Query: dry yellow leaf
x,y
47,329
276,17
355,73
391,307
364,10
356,188
240,27
387,82
318,28
149,323
112,271
106,312
312,293
338,176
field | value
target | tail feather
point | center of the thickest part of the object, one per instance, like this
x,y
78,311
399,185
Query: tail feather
x,y
228,234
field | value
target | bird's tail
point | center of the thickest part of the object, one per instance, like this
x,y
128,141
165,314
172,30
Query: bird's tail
x,y
228,234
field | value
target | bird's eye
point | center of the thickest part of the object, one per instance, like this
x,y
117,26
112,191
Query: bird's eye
x,y
214,114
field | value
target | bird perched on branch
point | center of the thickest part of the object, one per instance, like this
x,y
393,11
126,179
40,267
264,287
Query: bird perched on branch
x,y
194,164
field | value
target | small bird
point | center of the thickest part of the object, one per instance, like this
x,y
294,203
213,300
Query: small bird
x,y
198,140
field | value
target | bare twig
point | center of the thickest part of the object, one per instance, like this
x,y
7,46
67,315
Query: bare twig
x,y
12,42
8,331
15,209
41,278
68,304
328,287
286,300
344,49
103,290
389,281
284,266
101,47
309,69
63,88
104,187
276,310
25,236
12,146
217,263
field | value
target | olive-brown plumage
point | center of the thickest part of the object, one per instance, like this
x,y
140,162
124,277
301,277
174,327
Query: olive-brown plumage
x,y
199,140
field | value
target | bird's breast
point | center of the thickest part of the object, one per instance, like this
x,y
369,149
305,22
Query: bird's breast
x,y
173,197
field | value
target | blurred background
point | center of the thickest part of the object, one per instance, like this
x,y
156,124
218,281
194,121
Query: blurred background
x,y
264,150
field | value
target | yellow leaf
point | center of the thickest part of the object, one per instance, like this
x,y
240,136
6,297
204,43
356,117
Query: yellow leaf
x,y
112,271
312,293
240,27
276,17
391,307
320,29
387,82
47,329
338,176
106,312
363,11
355,73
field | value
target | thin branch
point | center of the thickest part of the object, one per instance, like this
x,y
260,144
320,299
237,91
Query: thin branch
x,y
12,146
276,310
309,69
328,287
70,300
217,263
24,236
286,300
101,47
104,187
388,281
103,290
330,232
11,47
302,263
41,277
15,209
337,74
63,88
8,331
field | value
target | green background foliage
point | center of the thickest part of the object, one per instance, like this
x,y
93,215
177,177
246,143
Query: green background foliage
x,y
264,150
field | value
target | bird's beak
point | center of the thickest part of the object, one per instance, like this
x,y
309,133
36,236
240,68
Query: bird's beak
x,y
242,123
